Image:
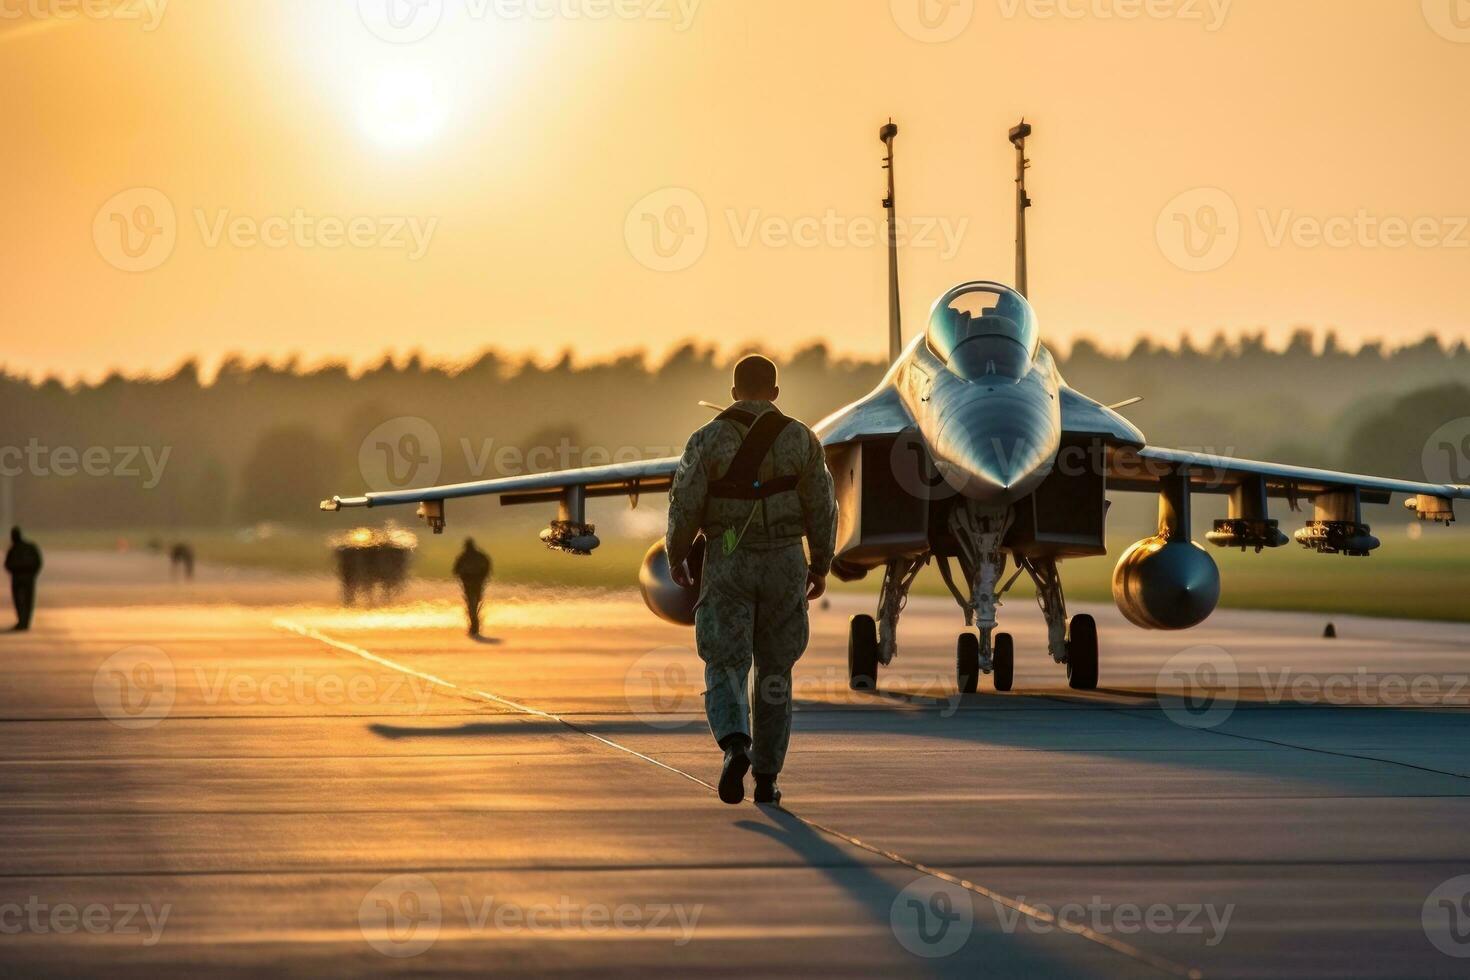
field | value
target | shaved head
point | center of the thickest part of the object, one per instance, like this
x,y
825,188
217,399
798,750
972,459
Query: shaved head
x,y
755,379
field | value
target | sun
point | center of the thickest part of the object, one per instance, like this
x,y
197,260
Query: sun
x,y
401,98
403,108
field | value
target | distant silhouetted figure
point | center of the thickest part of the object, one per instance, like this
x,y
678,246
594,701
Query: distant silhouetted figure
x,y
181,559
473,568
23,562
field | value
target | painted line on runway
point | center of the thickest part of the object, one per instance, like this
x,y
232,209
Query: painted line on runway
x,y
1030,911
1026,909
471,694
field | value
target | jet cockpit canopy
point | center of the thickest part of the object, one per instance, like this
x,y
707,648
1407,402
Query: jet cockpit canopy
x,y
984,329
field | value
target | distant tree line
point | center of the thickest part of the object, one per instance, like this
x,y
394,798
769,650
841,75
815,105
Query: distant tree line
x,y
265,442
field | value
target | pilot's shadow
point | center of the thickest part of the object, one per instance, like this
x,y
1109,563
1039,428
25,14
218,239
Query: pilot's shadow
x,y
520,725
819,851
877,893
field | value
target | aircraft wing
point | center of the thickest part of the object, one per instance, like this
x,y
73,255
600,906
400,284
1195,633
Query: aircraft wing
x,y
880,413
613,480
1142,468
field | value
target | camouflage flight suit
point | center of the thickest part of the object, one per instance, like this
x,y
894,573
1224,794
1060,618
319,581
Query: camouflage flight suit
x,y
752,605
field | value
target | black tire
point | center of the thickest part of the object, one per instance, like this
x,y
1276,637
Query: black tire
x,y
1005,661
1082,653
862,653
967,663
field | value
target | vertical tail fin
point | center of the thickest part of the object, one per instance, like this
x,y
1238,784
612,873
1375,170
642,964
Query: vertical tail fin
x,y
1018,140
895,327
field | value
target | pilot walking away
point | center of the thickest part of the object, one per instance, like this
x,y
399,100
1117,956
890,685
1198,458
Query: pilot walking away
x,y
754,482
473,568
23,562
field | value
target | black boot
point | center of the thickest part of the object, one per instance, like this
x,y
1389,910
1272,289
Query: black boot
x,y
737,764
766,790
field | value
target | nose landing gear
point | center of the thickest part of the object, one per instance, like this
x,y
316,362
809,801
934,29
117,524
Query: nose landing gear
x,y
980,533
970,663
967,663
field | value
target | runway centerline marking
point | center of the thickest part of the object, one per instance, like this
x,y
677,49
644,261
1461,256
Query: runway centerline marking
x,y
1033,912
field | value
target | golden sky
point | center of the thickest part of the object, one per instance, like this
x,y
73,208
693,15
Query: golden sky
x,y
339,179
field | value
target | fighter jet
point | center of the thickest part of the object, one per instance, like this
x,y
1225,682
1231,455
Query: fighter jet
x,y
974,451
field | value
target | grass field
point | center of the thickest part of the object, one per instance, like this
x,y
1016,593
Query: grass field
x,y
1428,578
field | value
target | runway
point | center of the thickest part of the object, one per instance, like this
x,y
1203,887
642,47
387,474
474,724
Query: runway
x,y
234,775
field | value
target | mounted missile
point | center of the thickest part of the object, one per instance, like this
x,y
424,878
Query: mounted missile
x,y
1248,524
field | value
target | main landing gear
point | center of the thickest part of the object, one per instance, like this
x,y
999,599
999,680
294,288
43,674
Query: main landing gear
x,y
1071,642
871,642
1082,653
862,654
1078,655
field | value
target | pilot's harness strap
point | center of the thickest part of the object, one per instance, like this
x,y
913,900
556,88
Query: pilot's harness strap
x,y
737,415
742,480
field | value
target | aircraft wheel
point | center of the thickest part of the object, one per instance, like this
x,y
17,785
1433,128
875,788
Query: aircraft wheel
x,y
1005,661
1082,653
862,653
967,663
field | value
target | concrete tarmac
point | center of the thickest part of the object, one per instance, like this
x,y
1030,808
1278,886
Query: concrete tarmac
x,y
236,776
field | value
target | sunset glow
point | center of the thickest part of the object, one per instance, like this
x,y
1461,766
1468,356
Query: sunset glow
x,y
530,139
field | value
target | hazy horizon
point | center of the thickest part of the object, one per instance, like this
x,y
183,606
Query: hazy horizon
x,y
208,368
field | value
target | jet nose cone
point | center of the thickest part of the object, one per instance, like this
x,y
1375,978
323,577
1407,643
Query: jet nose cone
x,y
991,480
984,470
998,447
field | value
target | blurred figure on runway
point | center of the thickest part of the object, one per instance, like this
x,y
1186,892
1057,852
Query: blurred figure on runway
x,y
473,569
181,558
23,562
